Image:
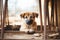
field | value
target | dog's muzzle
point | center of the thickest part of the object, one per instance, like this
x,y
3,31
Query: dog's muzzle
x,y
29,22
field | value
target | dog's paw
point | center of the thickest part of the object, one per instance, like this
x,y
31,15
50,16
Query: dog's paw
x,y
37,35
31,31
26,30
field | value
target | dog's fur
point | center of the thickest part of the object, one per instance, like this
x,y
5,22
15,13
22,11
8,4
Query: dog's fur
x,y
27,26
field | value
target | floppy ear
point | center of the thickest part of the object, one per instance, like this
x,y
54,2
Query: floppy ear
x,y
35,14
22,15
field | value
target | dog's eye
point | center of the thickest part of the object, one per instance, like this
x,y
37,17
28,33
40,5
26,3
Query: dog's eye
x,y
25,17
31,17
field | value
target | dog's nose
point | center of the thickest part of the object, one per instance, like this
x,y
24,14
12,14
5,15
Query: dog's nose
x,y
29,22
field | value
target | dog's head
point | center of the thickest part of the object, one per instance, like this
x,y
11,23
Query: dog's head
x,y
29,17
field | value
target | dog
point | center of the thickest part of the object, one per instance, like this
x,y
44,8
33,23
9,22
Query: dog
x,y
29,24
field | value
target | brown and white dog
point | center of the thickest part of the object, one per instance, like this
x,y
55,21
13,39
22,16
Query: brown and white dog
x,y
29,25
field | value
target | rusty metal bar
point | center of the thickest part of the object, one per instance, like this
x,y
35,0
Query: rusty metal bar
x,y
45,12
1,19
56,13
52,12
52,15
1,3
4,17
57,24
7,16
58,6
40,15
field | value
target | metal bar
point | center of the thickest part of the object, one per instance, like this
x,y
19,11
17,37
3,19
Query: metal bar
x,y
45,12
52,15
1,10
40,15
1,19
52,12
4,17
49,15
7,13
57,25
56,13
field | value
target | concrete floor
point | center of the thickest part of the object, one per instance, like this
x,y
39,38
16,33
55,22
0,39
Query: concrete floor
x,y
21,36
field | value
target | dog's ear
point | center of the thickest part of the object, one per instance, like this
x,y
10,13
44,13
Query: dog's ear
x,y
35,14
22,15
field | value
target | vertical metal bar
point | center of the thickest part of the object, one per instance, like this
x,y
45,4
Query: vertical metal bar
x,y
57,25
56,13
40,15
7,13
1,4
4,18
52,12
1,10
50,22
49,15
52,15
45,12
1,14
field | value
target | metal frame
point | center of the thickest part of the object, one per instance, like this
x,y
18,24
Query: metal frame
x,y
1,19
41,15
45,12
4,11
